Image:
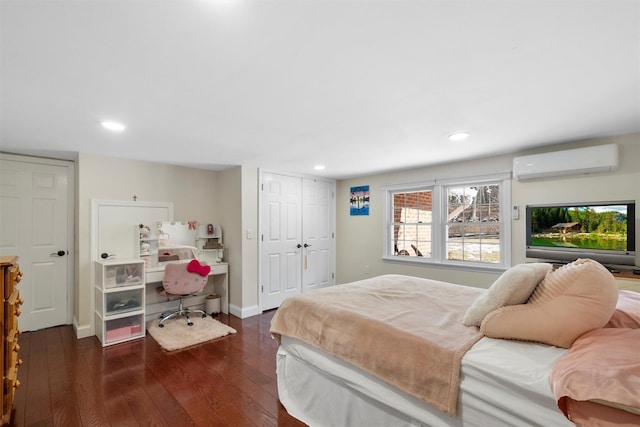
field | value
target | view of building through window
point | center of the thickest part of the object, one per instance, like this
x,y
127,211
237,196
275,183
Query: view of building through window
x,y
412,221
473,223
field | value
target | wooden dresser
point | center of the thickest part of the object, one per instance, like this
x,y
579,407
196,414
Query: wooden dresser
x,y
9,312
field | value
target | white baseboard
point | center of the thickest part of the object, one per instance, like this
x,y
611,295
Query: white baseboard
x,y
243,313
83,331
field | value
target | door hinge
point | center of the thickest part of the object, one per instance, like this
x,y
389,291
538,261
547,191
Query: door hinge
x,y
333,276
262,288
262,237
333,235
262,187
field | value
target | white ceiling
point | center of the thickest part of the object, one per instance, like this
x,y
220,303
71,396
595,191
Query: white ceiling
x,y
359,86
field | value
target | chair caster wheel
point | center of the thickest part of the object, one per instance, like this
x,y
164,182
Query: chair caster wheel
x,y
190,323
204,315
160,325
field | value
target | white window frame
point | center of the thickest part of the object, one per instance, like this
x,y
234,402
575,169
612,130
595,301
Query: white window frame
x,y
439,223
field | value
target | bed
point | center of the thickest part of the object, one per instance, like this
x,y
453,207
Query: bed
x,y
394,350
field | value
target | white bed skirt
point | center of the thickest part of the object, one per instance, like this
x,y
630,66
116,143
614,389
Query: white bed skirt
x,y
504,383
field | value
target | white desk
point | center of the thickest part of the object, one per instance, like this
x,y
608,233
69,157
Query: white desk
x,y
218,283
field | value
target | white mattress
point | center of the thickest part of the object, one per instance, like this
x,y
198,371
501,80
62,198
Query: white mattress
x,y
503,383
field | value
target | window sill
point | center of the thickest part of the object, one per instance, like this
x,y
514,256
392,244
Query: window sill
x,y
449,265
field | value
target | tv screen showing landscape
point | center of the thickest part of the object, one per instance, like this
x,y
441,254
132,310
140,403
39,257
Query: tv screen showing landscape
x,y
595,227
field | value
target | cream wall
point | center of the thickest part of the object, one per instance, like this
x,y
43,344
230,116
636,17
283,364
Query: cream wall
x,y
193,192
249,232
359,238
238,208
236,203
230,209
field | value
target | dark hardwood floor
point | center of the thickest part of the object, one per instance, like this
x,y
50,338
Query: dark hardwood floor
x,y
230,381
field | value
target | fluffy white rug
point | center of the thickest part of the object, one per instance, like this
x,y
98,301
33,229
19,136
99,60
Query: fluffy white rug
x,y
176,334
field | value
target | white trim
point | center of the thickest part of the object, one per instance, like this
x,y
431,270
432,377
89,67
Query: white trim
x,y
413,186
39,160
476,179
438,232
295,175
245,312
505,212
450,265
83,331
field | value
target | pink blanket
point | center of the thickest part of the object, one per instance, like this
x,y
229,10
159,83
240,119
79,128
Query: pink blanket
x,y
406,331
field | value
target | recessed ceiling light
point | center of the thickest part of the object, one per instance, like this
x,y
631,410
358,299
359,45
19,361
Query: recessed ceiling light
x,y
319,167
459,136
113,126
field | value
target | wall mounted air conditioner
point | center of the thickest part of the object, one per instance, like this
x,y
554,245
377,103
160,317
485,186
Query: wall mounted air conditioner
x,y
601,158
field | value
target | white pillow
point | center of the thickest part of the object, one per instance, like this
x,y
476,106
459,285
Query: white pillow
x,y
514,286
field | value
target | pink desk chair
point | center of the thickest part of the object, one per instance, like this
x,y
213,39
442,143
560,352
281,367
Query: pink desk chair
x,y
181,280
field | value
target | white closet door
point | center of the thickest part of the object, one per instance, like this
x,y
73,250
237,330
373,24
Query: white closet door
x,y
35,212
317,236
281,234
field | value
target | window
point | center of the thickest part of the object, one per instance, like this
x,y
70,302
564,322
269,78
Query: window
x,y
453,222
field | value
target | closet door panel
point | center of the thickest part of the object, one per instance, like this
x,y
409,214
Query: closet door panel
x,y
318,207
281,234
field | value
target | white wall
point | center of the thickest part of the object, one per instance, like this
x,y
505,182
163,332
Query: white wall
x,y
359,238
193,192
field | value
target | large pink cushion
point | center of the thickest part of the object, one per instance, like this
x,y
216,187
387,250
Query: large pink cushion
x,y
514,286
570,301
627,314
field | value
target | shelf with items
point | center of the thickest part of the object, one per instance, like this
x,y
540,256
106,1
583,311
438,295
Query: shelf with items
x,y
119,300
116,301
146,245
120,329
115,273
209,242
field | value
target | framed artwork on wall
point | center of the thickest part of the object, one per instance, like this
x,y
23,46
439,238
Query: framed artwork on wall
x,y
359,200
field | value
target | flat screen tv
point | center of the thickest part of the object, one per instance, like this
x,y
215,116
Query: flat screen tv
x,y
603,231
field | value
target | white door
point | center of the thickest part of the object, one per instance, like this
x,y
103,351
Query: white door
x,y
281,235
36,216
317,235
297,218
